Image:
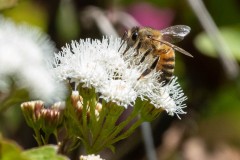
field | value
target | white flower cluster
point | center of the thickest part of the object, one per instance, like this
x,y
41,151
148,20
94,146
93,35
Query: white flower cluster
x,y
102,65
23,54
91,157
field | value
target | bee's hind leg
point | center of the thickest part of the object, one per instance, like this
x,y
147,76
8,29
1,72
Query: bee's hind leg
x,y
148,70
145,55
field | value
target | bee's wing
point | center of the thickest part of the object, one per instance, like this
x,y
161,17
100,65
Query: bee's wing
x,y
175,34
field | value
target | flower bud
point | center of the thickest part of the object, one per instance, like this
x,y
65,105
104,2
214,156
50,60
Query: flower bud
x,y
77,102
32,113
52,117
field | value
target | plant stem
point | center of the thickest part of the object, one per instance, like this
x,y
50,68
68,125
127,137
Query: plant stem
x,y
38,137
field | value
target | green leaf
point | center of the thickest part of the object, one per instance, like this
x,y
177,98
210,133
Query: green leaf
x,y
112,148
231,36
43,153
9,150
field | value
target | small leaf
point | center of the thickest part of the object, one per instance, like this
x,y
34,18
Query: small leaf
x,y
231,36
43,153
112,148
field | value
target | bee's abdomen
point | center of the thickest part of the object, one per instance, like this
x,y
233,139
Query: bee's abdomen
x,y
166,65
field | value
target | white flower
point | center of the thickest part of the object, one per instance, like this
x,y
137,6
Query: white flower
x,y
118,91
91,157
170,98
100,64
23,52
81,63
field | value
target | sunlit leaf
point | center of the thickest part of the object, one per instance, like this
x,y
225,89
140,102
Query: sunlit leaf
x,y
43,153
231,37
9,150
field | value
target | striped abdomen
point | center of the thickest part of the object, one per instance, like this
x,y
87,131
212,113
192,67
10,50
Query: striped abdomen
x,y
166,63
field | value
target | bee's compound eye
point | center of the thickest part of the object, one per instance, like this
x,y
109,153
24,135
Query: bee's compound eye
x,y
134,36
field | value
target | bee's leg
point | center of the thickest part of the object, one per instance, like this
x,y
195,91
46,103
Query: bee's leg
x,y
127,48
121,46
147,52
145,55
124,39
148,70
139,45
154,64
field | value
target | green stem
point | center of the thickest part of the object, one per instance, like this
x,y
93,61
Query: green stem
x,y
122,136
110,139
46,139
109,124
38,137
89,100
93,118
128,132
102,143
99,125
84,119
55,133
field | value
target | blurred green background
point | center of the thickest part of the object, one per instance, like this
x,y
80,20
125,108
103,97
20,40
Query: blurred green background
x,y
211,127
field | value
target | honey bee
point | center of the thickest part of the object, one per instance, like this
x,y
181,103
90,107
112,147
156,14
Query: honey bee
x,y
155,47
